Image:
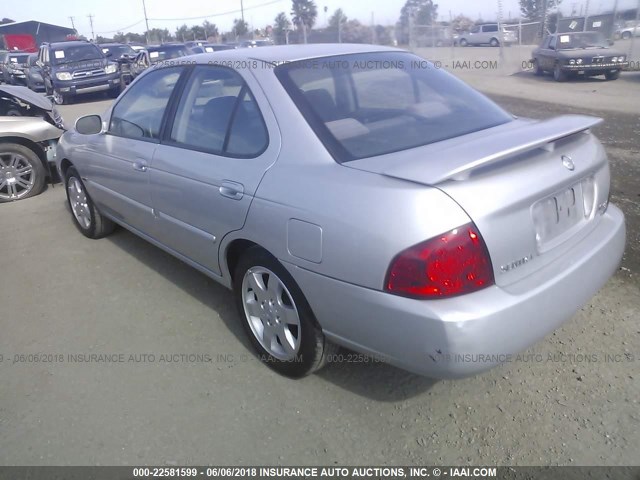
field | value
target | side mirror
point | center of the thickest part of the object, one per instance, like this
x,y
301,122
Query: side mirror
x,y
89,125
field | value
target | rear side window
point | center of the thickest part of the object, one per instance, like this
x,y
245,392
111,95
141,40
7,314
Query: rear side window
x,y
218,114
490,28
138,114
365,105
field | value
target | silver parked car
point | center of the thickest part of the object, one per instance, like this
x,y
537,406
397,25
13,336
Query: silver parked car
x,y
488,34
350,199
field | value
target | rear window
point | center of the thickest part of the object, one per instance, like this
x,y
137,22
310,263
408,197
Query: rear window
x,y
158,54
366,105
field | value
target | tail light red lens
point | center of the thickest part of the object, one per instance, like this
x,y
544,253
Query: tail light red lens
x,y
454,263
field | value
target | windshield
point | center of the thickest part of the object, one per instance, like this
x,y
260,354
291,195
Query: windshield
x,y
78,53
158,54
117,51
365,105
582,40
18,58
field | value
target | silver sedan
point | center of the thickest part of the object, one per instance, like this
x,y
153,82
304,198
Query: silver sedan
x,y
354,196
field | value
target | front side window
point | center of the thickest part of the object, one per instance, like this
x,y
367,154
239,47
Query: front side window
x,y
218,114
378,103
475,30
138,114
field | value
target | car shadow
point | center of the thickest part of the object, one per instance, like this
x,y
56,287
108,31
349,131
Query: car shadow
x,y
371,379
548,77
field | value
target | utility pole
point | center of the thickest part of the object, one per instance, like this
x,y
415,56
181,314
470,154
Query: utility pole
x,y
72,24
586,16
146,21
93,35
242,11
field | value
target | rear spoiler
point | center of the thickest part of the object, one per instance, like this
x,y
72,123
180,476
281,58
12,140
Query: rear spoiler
x,y
499,146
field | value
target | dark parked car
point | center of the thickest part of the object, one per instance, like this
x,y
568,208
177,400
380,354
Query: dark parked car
x,y
29,130
157,53
74,68
33,73
13,67
123,54
585,54
210,47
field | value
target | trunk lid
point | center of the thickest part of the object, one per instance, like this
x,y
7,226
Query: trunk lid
x,y
533,188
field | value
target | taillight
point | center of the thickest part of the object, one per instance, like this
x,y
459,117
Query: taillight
x,y
454,263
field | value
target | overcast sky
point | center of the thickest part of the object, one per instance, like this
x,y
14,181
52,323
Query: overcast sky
x,y
111,16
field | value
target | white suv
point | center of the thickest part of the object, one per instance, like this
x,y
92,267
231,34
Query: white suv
x,y
488,34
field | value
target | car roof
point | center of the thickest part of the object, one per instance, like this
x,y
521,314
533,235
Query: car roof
x,y
292,53
113,44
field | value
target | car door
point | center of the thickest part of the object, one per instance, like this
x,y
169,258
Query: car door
x,y
214,154
545,54
117,162
474,35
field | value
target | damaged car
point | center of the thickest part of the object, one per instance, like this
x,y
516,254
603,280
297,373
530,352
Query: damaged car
x,y
30,127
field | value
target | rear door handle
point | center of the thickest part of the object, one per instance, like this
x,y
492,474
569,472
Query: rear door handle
x,y
232,190
140,166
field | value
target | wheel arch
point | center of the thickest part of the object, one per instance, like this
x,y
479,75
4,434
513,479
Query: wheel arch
x,y
31,145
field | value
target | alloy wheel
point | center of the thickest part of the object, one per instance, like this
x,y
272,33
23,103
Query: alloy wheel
x,y
78,203
271,313
17,176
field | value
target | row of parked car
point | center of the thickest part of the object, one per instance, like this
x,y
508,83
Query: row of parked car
x,y
65,70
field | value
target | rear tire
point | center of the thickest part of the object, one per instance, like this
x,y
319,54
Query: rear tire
x,y
463,42
494,42
276,316
537,71
86,216
22,174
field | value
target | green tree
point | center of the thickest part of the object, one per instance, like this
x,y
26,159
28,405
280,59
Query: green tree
x,y
182,33
534,9
304,14
461,24
281,26
210,29
416,12
196,32
337,20
240,27
159,35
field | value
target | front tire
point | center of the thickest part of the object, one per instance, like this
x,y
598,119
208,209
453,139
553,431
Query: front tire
x,y
558,74
22,174
612,75
463,42
494,42
59,98
86,216
277,317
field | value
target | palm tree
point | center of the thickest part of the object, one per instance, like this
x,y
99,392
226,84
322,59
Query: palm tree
x,y
281,27
304,13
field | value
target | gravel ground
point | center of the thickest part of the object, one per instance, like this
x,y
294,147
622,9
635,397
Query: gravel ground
x,y
570,400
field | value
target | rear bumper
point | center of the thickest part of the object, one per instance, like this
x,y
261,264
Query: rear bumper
x,y
463,336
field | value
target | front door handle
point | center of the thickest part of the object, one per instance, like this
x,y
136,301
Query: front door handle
x,y
232,190
140,166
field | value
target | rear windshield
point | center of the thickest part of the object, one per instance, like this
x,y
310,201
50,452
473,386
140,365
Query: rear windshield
x,y
78,53
365,105
18,58
118,50
582,40
158,54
